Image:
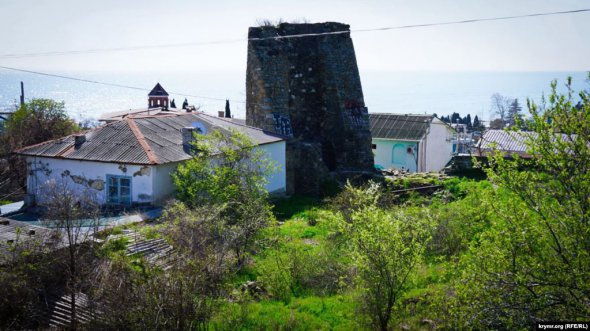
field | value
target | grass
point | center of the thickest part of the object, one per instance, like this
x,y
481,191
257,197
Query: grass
x,y
5,202
309,313
305,234
293,206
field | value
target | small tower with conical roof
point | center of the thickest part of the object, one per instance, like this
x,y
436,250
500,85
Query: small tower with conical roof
x,y
158,97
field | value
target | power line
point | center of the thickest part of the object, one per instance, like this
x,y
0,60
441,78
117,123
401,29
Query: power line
x,y
146,89
181,94
112,84
399,27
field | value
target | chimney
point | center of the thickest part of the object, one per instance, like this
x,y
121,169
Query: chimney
x,y
79,139
188,136
221,113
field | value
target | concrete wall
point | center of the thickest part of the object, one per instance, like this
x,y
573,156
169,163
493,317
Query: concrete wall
x,y
439,145
87,175
393,154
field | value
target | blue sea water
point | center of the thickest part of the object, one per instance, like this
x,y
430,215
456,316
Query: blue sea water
x,y
395,92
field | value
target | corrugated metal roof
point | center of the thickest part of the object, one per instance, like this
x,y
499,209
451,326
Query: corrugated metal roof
x,y
117,142
119,115
399,126
507,141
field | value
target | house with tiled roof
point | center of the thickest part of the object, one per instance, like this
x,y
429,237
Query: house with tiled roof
x,y
129,161
416,143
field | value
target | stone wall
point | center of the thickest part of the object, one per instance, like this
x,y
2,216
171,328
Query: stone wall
x,y
309,89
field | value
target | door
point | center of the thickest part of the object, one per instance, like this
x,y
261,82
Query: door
x,y
119,190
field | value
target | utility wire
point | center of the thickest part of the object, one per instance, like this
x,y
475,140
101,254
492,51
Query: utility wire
x,y
112,84
399,27
181,94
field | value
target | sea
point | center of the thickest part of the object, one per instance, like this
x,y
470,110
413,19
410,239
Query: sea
x,y
406,92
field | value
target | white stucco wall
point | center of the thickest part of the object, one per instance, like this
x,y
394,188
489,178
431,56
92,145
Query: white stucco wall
x,y
149,184
277,181
384,154
41,169
439,146
162,182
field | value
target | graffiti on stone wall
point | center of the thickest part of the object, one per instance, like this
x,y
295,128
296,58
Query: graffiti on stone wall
x,y
283,124
356,113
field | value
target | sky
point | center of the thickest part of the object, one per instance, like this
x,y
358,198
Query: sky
x,y
550,43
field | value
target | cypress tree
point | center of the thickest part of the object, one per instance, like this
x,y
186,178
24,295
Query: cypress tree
x,y
227,110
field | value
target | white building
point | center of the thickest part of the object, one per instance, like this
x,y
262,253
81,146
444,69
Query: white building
x,y
129,161
417,143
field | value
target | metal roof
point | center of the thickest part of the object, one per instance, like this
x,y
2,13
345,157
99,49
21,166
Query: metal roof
x,y
152,139
507,141
399,126
122,114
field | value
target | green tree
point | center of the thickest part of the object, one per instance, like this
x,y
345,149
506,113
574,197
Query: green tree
x,y
37,121
467,121
534,261
227,110
34,122
514,113
387,247
477,125
229,170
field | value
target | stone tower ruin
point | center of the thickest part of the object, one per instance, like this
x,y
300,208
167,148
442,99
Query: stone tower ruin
x,y
308,88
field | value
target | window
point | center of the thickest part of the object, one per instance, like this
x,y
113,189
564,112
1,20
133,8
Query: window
x,y
118,190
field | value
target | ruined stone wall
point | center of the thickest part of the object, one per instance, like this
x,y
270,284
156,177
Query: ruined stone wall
x,y
309,89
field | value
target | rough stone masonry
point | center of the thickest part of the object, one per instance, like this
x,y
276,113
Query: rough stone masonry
x,y
308,88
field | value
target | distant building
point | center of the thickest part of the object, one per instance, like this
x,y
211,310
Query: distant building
x,y
417,143
508,142
463,140
129,160
158,97
158,102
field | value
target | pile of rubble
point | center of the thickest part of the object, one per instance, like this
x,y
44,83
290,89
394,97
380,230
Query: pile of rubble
x,y
399,174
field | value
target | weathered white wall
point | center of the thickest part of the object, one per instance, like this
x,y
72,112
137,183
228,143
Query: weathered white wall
x,y
277,181
149,184
385,158
41,169
439,146
162,181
